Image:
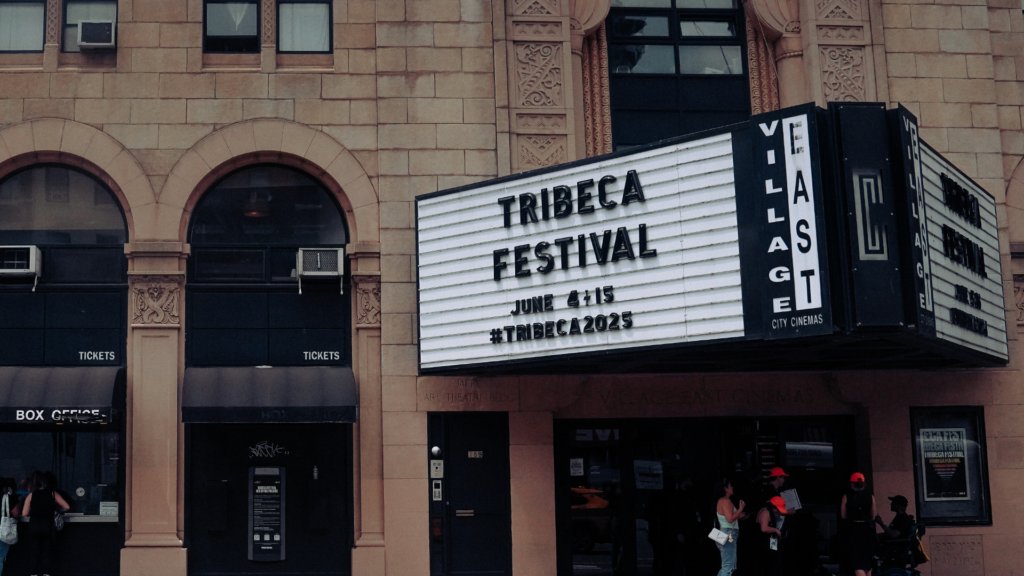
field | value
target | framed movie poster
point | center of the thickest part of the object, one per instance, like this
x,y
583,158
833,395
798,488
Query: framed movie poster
x,y
950,465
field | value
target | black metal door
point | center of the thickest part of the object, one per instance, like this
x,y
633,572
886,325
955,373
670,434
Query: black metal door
x,y
471,531
315,459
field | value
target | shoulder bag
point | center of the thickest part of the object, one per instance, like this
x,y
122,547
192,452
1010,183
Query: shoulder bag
x,y
58,516
8,524
717,535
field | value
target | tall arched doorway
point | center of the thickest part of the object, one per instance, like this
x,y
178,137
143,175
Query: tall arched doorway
x,y
269,394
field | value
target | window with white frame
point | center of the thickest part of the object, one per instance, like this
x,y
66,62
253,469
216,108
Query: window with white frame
x,y
22,25
304,26
231,26
76,11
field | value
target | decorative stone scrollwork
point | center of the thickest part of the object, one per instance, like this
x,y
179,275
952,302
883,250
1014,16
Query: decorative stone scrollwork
x,y
1018,298
53,8
531,28
539,75
155,300
367,299
541,151
535,7
842,73
838,9
841,32
269,22
596,94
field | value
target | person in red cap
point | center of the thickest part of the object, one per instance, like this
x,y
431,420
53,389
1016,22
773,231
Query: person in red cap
x,y
769,557
858,510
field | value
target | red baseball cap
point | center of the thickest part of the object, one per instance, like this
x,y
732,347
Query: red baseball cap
x,y
779,503
857,477
778,472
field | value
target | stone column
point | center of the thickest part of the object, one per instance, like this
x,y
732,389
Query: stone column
x,y
51,46
779,22
587,16
153,488
367,437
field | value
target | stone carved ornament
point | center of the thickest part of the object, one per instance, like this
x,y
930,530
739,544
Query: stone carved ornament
x,y
535,7
842,74
155,300
1018,297
539,75
367,299
53,21
268,22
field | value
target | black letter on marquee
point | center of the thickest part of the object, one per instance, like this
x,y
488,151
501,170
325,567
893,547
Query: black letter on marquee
x,y
601,249
549,260
582,242
545,206
634,191
522,264
801,188
804,245
807,274
563,201
563,245
526,203
498,264
506,206
644,252
623,247
602,193
583,196
574,327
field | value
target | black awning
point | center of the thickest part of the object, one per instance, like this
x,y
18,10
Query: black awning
x,y
283,394
84,394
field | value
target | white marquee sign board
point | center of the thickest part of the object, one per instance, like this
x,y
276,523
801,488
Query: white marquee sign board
x,y
660,259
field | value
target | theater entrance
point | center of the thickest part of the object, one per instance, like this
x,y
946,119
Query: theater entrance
x,y
627,488
268,499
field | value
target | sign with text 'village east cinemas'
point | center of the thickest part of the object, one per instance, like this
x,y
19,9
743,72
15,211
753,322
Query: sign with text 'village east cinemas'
x,y
725,240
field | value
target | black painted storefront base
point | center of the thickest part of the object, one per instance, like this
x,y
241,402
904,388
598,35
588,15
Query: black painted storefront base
x,y
81,548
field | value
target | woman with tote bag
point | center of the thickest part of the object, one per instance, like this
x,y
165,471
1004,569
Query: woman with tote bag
x,y
8,523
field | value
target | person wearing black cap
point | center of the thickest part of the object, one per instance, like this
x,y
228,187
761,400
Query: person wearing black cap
x,y
858,510
901,523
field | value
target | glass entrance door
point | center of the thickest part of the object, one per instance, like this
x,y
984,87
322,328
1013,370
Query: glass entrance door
x,y
635,497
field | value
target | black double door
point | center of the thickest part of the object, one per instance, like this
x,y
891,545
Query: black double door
x,y
470,520
313,462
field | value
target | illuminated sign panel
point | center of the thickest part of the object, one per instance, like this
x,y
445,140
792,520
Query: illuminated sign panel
x,y
715,251
637,250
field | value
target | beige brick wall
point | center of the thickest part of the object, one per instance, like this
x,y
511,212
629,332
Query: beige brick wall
x,y
953,64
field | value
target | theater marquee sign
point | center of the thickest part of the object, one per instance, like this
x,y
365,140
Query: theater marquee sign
x,y
716,240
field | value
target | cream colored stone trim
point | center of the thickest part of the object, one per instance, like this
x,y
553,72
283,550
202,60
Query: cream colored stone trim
x,y
81,145
155,300
275,141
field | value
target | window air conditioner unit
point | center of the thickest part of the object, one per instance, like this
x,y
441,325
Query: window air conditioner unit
x,y
21,262
96,34
320,263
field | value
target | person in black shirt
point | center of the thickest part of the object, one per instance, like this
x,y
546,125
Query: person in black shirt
x,y
40,507
858,510
901,524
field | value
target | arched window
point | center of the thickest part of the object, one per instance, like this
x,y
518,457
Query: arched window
x,y
63,283
244,306
249,225
58,205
